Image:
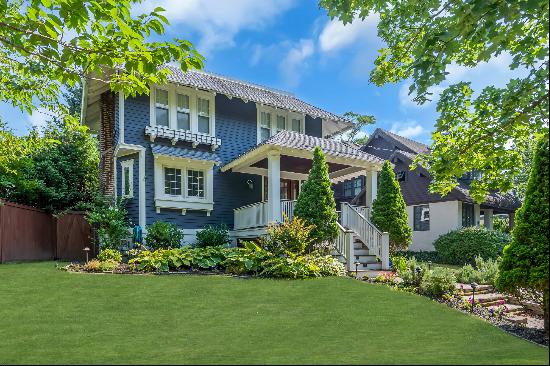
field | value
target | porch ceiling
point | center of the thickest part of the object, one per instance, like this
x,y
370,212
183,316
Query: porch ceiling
x,y
298,165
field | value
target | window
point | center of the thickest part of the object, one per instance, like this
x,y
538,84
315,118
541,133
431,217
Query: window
x,y
172,181
272,120
182,108
203,106
183,112
127,178
401,176
421,218
352,187
467,214
296,125
265,126
161,108
281,123
195,183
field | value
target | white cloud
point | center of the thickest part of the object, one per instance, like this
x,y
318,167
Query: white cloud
x,y
409,129
335,35
294,63
218,22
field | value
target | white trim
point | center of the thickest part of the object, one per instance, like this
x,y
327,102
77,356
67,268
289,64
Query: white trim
x,y
193,95
121,117
183,202
130,165
126,149
275,112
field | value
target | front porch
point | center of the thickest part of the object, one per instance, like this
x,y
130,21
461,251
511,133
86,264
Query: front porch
x,y
284,162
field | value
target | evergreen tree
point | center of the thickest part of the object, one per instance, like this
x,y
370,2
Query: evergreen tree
x,y
316,205
389,212
525,260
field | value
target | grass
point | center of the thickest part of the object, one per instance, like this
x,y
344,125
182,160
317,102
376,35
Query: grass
x,y
49,316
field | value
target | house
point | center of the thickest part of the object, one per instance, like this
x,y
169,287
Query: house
x,y
207,149
430,215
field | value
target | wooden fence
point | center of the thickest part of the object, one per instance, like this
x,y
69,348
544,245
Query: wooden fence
x,y
27,233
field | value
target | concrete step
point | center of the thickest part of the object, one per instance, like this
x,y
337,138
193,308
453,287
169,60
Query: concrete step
x,y
371,266
366,258
467,289
362,251
488,299
511,308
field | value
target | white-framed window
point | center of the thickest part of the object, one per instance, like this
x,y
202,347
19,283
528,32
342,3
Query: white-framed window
x,y
127,186
183,183
183,108
421,218
272,120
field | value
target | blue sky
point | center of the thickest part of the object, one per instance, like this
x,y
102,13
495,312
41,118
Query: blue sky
x,y
292,45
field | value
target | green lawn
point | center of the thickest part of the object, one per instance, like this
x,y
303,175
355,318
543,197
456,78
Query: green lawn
x,y
49,316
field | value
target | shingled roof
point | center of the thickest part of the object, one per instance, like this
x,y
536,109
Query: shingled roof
x,y
249,92
295,140
407,144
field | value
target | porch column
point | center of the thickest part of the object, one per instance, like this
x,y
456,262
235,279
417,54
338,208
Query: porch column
x,y
371,187
274,186
488,218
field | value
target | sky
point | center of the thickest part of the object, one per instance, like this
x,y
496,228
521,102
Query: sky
x,y
294,46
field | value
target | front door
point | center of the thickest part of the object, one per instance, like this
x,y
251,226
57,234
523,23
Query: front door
x,y
289,189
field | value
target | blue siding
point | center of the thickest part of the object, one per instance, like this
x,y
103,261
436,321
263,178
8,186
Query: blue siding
x,y
236,127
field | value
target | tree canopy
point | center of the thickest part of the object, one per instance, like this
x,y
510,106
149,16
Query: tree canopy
x,y
485,130
48,44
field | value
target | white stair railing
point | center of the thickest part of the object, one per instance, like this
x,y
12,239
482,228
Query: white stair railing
x,y
376,241
343,244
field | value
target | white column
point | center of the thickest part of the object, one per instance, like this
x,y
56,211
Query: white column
x,y
371,187
142,221
274,186
488,218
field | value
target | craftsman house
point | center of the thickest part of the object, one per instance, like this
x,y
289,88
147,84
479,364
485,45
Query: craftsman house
x,y
430,215
205,149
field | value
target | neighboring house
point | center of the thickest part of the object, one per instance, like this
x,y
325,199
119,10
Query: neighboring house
x,y
206,149
430,215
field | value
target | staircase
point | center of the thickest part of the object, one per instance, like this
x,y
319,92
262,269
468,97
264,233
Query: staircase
x,y
360,245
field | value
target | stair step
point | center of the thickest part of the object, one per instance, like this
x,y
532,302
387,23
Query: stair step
x,y
468,289
372,266
362,251
489,299
511,308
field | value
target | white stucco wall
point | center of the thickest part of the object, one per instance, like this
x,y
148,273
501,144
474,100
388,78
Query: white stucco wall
x,y
444,217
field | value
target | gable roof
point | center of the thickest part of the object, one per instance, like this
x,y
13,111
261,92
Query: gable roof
x,y
407,144
249,92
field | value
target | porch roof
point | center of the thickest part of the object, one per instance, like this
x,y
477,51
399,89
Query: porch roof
x,y
345,159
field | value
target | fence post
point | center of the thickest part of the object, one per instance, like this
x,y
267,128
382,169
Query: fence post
x,y
385,251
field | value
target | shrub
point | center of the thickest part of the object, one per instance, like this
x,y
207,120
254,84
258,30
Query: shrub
x,y
286,267
413,272
389,212
109,217
398,263
438,281
485,272
212,236
163,235
316,203
108,266
502,224
328,266
246,260
467,274
464,245
92,266
423,256
110,254
288,238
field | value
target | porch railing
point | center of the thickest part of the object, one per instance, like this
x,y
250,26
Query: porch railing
x,y
256,215
376,241
287,209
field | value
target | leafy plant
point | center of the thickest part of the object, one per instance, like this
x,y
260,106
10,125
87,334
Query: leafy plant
x,y
315,204
399,263
289,237
413,273
213,236
525,260
92,266
110,255
163,235
438,281
108,265
464,245
389,212
246,260
502,224
109,217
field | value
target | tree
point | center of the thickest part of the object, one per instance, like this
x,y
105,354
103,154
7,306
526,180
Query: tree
x,y
315,204
359,121
38,57
485,131
55,172
389,212
525,260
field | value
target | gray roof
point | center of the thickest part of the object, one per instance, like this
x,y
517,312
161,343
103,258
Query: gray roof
x,y
180,152
411,145
295,140
248,91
